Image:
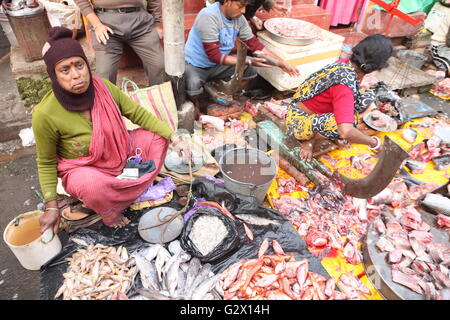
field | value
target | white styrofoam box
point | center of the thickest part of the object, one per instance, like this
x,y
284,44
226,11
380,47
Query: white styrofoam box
x,y
327,41
307,59
284,82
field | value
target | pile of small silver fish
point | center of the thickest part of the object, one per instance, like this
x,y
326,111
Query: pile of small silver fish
x,y
281,277
173,275
96,272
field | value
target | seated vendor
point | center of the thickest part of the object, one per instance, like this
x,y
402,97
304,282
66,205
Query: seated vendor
x,y
331,99
438,22
210,42
81,137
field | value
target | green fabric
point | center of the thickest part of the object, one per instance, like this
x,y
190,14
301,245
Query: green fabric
x,y
67,134
411,6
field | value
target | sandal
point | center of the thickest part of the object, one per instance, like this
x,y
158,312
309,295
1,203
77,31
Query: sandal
x,y
72,209
70,226
75,216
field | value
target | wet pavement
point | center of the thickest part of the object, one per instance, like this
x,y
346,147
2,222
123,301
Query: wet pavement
x,y
19,180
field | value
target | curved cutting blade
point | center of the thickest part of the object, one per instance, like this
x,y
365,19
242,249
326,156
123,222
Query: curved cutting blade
x,y
389,162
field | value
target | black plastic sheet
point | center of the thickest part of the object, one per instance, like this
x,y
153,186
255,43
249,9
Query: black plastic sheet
x,y
128,236
283,231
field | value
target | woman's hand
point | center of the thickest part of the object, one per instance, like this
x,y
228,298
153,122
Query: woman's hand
x,y
290,69
183,149
101,33
50,219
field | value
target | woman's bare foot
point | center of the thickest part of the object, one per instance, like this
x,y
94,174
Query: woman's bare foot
x,y
123,221
306,152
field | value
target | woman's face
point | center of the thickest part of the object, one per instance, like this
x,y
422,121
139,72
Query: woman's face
x,y
73,74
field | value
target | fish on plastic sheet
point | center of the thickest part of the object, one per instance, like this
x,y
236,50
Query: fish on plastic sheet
x,y
286,185
352,287
419,191
409,135
276,277
351,252
416,167
96,272
434,142
174,275
430,155
356,161
416,151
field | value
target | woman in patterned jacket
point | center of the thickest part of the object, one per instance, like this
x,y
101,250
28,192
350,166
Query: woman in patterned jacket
x,y
330,101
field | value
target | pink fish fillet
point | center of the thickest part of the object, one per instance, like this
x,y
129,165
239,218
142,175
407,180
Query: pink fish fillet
x,y
379,225
443,221
407,280
395,256
422,236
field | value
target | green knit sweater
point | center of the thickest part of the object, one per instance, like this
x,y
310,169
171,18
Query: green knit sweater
x,y
64,133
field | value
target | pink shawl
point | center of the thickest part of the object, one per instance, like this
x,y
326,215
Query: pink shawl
x,y
92,179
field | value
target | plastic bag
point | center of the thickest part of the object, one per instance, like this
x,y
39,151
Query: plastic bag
x,y
229,243
63,13
281,230
27,137
51,273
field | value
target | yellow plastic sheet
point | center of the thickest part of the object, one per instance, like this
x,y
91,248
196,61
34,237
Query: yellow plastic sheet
x,y
335,262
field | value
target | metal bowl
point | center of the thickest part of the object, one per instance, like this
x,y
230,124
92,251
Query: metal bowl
x,y
390,126
268,24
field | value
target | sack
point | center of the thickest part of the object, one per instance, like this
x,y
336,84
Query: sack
x,y
159,100
63,13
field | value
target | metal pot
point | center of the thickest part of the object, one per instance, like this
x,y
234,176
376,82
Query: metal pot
x,y
291,41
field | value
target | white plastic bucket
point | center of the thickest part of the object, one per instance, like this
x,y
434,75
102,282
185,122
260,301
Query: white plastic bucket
x,y
39,250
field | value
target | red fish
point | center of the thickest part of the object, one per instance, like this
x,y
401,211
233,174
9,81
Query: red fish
x,y
277,248
248,232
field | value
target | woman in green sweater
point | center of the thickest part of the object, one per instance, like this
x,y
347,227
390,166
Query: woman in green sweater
x,y
81,137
